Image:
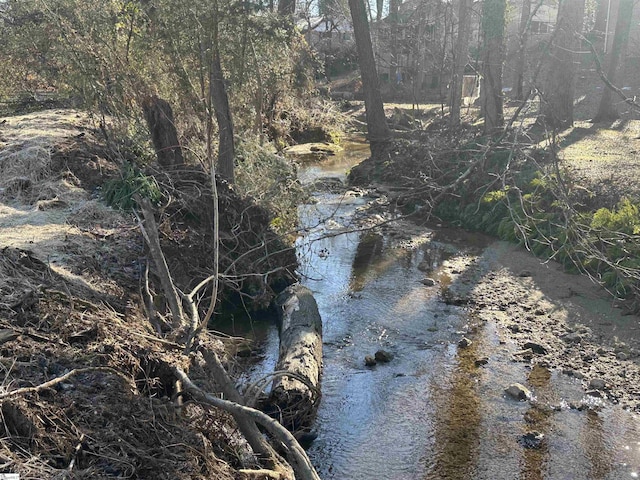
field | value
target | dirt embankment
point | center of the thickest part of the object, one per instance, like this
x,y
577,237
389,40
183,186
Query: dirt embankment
x,y
71,273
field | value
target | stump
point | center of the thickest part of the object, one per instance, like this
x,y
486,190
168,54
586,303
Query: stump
x,y
159,117
294,402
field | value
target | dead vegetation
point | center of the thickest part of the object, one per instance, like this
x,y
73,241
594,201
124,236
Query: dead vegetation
x,y
90,388
115,417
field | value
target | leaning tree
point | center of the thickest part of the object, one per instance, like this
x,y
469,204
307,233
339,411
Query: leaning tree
x,y
377,128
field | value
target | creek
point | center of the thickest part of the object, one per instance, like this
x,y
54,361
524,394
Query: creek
x,y
430,413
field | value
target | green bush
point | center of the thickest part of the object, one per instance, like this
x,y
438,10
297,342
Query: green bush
x,y
529,211
272,180
625,219
119,192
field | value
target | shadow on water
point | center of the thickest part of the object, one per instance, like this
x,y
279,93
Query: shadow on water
x,y
458,420
538,421
372,260
368,255
595,445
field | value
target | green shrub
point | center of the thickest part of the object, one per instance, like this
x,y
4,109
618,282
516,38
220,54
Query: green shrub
x,y
625,219
119,192
272,180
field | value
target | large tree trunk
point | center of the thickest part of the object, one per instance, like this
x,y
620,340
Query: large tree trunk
x,y
301,355
557,98
286,7
607,110
493,19
395,73
523,36
220,101
378,130
461,58
603,13
164,136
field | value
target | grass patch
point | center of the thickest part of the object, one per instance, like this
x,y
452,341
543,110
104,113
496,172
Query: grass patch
x,y
118,193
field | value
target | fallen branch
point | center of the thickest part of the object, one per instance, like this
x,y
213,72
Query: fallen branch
x,y
246,425
253,391
150,233
300,327
60,379
260,474
298,458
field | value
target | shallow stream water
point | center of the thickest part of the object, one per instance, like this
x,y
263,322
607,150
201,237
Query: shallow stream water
x,y
430,413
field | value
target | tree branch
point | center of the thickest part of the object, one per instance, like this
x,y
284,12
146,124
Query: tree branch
x,y
150,234
604,78
300,461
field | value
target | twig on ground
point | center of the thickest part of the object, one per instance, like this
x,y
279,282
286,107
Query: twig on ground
x,y
60,379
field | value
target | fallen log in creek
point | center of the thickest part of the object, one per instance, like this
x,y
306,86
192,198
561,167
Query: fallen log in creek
x,y
295,392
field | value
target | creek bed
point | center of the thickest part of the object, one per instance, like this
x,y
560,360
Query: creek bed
x,y
431,413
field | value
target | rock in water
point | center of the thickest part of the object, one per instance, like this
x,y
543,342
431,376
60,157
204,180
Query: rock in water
x,y
572,338
532,440
537,348
305,439
383,356
481,361
424,266
464,342
428,282
369,361
597,384
518,391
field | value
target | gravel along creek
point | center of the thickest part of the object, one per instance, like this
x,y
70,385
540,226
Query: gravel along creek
x,y
463,317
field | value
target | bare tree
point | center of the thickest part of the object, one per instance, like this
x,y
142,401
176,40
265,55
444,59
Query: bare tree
x,y
393,20
220,102
557,99
607,109
287,7
461,57
493,20
523,35
378,130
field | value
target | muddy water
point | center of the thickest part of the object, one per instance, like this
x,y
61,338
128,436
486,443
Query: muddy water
x,y
431,413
